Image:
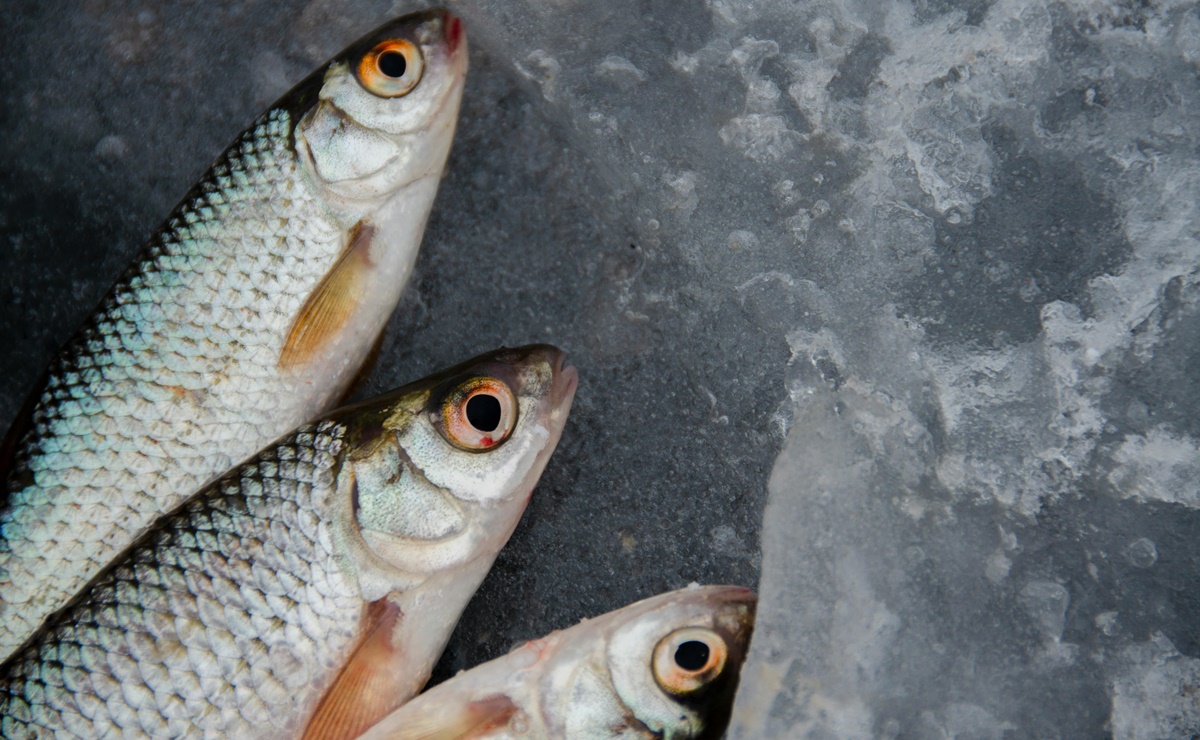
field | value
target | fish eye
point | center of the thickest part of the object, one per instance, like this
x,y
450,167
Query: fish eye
x,y
687,660
479,414
392,68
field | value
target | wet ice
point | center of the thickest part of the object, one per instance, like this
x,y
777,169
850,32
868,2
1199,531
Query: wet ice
x,y
984,449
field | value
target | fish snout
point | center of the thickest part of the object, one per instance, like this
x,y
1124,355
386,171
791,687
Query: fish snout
x,y
452,29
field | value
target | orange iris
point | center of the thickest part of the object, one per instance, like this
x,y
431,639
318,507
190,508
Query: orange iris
x,y
479,414
392,68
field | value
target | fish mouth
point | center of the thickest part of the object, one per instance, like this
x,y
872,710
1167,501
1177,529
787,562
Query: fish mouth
x,y
735,608
555,392
556,407
732,594
452,30
446,70
742,600
452,54
566,380
455,39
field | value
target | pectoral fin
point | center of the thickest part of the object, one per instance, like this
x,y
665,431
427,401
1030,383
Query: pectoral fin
x,y
368,686
329,308
446,721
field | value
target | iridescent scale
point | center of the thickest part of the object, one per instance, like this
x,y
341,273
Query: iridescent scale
x,y
174,379
222,620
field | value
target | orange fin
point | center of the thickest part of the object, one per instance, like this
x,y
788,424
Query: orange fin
x,y
444,721
369,685
328,309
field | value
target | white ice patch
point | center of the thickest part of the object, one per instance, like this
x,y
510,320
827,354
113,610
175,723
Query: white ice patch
x,y
1158,466
946,425
763,137
1045,603
1156,693
863,626
543,70
760,133
682,196
622,72
741,239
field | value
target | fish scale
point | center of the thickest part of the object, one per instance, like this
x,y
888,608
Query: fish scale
x,y
104,429
235,597
248,314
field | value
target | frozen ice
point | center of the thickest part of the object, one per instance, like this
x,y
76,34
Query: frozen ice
x,y
1141,553
1045,603
920,278
1154,691
998,431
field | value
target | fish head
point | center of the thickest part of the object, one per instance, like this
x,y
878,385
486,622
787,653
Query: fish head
x,y
431,480
481,428
436,474
674,660
665,667
385,112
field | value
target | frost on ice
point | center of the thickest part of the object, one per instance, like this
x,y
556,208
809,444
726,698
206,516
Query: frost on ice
x,y
984,518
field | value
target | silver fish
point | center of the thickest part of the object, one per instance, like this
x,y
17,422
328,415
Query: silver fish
x,y
666,667
311,589
250,312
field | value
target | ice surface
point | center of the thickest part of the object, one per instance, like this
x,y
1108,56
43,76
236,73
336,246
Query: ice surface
x,y
937,262
983,521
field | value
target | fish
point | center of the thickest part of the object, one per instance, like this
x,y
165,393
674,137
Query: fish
x,y
250,312
309,591
666,667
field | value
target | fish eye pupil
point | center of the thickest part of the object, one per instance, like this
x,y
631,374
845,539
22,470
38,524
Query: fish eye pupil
x,y
483,412
392,64
691,655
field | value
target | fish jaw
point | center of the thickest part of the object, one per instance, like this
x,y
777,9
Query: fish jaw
x,y
378,172
632,639
446,594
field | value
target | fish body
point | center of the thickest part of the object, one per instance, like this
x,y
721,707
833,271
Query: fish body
x,y
310,590
666,667
249,313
